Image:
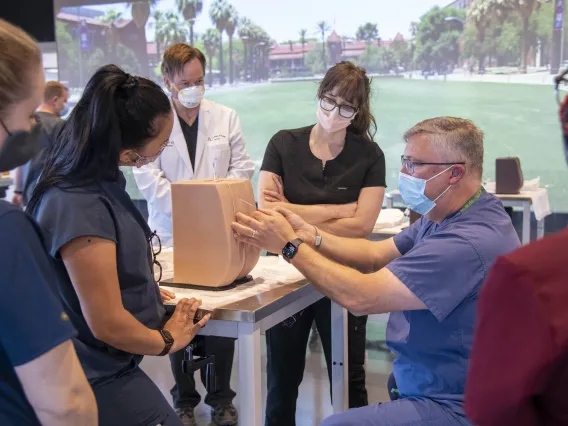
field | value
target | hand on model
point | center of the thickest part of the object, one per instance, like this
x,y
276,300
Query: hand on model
x,y
181,325
266,229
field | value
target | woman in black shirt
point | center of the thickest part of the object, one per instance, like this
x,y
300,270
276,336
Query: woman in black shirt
x,y
333,175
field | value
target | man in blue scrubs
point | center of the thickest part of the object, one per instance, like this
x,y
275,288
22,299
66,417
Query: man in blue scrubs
x,y
428,276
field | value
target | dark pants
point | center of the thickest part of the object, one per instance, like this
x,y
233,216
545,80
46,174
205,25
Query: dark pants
x,y
286,351
184,393
132,399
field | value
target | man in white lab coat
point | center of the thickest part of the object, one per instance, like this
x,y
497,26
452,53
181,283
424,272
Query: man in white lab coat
x,y
206,141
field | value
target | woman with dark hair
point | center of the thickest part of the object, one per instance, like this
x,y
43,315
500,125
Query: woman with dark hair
x,y
333,175
103,246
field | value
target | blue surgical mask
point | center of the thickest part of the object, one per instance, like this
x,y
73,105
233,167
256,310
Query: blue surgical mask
x,y
412,192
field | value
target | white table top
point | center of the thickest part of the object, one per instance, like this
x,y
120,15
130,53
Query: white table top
x,y
270,273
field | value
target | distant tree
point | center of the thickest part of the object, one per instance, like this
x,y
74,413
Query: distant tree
x,y
211,43
314,61
170,29
402,53
141,11
323,28
190,9
220,14
230,28
368,32
303,41
437,41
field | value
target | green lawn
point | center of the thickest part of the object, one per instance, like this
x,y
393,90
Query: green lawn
x,y
518,120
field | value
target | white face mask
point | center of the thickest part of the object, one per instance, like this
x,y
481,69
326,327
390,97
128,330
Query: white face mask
x,y
332,121
191,97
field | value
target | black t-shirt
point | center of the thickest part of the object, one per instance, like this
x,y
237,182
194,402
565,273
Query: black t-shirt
x,y
32,320
103,210
190,135
360,164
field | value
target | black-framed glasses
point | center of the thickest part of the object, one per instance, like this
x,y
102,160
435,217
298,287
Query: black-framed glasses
x,y
156,247
410,165
346,111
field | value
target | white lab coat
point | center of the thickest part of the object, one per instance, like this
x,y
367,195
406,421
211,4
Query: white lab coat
x,y
220,151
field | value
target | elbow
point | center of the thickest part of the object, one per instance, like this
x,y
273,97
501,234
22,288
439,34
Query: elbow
x,y
78,407
356,306
106,330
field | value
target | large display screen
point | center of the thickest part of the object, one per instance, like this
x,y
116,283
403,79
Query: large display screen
x,y
426,59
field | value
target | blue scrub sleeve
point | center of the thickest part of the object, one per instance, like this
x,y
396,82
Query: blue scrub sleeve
x,y
404,240
68,215
441,270
32,321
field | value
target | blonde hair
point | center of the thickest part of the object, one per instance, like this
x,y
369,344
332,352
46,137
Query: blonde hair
x,y
18,55
455,139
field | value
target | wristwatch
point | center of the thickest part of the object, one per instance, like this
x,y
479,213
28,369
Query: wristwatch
x,y
168,340
290,249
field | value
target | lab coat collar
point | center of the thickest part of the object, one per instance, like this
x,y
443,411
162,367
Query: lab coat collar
x,y
179,139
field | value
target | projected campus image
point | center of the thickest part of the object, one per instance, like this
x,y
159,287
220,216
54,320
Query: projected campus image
x,y
470,59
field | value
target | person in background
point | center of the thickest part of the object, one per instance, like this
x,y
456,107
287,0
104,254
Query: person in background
x,y
206,142
49,113
518,371
332,174
428,276
103,248
42,382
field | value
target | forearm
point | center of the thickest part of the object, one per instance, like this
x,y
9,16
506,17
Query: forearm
x,y
126,333
340,283
352,227
314,214
355,253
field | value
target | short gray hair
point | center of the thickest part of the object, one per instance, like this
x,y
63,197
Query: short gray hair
x,y
456,139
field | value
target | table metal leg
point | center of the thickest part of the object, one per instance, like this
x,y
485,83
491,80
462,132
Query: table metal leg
x,y
540,228
339,372
526,223
390,203
250,384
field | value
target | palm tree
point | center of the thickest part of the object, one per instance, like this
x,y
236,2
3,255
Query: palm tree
x,y
220,14
110,17
303,41
211,42
141,11
158,18
230,28
245,33
190,9
170,30
323,27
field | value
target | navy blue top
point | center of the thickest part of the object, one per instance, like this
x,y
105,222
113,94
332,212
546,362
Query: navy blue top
x,y
444,266
103,210
32,320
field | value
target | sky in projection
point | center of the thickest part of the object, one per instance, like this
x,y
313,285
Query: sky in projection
x,y
283,19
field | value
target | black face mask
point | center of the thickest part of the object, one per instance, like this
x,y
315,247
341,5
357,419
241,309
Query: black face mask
x,y
19,147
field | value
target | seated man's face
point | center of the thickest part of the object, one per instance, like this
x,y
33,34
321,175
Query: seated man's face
x,y
420,150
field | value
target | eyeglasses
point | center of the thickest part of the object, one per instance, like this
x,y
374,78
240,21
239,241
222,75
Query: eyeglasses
x,y
345,111
156,242
410,165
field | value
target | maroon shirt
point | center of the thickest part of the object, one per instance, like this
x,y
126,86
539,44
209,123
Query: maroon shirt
x,y
519,363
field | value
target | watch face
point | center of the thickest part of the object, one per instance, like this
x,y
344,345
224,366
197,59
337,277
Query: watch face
x,y
289,251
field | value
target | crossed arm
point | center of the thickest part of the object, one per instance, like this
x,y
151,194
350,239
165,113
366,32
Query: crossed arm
x,y
355,220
